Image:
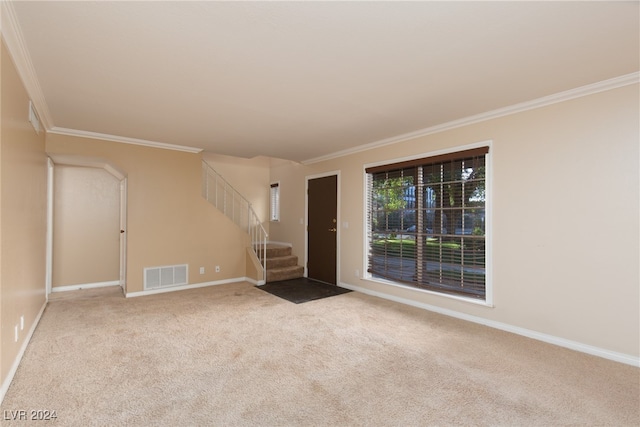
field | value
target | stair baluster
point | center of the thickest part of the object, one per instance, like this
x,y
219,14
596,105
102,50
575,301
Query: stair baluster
x,y
236,207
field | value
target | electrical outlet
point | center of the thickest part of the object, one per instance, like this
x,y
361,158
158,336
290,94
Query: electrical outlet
x,y
217,269
201,270
16,333
21,322
357,273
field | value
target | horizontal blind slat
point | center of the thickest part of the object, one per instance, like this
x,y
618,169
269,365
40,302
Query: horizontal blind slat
x,y
424,161
442,198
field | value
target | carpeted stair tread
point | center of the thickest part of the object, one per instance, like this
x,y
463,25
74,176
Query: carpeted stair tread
x,y
281,264
275,250
283,261
284,273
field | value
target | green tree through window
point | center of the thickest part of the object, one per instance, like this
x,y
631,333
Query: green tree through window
x,y
427,222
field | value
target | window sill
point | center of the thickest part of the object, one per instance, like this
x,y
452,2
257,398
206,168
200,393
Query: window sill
x,y
475,301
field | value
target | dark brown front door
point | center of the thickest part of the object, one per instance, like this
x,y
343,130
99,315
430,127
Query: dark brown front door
x,y
322,229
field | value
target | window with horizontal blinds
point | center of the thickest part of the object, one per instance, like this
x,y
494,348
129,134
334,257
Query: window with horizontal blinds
x,y
274,197
426,222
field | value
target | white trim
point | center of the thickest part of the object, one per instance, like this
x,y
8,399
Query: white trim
x,y
272,185
185,287
12,35
49,250
255,282
122,139
33,118
85,286
567,95
363,273
122,252
18,359
488,224
551,339
386,282
89,162
338,219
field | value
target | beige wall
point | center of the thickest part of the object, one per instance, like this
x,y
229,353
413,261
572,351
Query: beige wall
x,y
291,227
565,218
168,221
86,226
250,177
23,198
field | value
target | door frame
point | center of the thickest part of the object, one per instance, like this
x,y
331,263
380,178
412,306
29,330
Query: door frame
x,y
49,238
123,234
308,178
91,162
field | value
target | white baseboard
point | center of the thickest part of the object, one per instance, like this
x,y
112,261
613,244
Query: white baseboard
x,y
185,287
254,281
551,339
85,286
14,367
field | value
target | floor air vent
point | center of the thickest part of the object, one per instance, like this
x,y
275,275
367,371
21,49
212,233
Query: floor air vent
x,y
165,276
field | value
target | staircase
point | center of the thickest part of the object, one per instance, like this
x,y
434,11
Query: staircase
x,y
227,200
275,260
281,265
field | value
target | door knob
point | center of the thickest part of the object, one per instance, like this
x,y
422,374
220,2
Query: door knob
x,y
333,229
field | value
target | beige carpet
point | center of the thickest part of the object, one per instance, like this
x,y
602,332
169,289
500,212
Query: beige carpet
x,y
233,355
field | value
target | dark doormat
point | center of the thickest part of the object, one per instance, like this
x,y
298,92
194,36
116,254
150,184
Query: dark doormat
x,y
302,290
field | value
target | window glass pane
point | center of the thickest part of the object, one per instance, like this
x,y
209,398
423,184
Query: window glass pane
x,y
455,194
274,194
427,225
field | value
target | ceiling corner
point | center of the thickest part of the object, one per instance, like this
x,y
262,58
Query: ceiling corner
x,y
17,48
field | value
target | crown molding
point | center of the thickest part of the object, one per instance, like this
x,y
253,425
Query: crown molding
x,y
12,36
579,92
122,139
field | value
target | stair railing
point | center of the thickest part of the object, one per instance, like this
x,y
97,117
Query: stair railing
x,y
236,207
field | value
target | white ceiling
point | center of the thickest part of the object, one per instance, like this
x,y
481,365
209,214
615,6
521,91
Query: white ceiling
x,y
301,80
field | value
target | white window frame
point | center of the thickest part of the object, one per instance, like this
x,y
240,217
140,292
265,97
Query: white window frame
x,y
274,201
488,300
